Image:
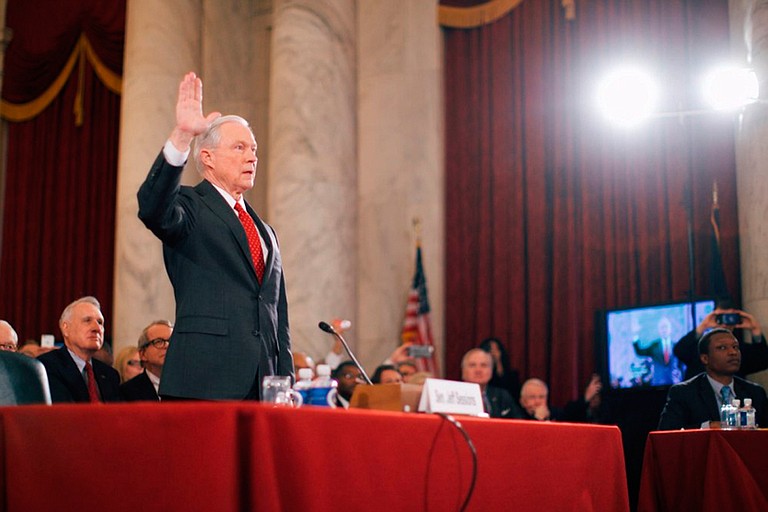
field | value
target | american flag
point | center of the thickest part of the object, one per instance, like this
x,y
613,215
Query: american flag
x,y
416,327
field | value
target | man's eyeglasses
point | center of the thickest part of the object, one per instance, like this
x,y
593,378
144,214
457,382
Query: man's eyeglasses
x,y
157,343
8,347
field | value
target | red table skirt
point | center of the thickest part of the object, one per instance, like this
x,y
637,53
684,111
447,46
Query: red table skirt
x,y
705,470
240,456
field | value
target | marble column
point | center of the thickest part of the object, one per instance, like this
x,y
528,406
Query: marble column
x,y
162,43
312,196
400,156
749,29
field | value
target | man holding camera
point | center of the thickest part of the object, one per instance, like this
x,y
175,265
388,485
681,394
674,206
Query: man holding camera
x,y
754,355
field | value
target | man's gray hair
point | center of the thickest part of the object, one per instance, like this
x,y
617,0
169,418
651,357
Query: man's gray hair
x,y
14,335
67,313
211,137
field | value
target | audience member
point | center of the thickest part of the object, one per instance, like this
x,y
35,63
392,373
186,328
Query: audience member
x,y
152,346
128,363
348,376
504,376
695,402
407,369
477,367
73,374
534,399
9,340
754,355
32,348
386,374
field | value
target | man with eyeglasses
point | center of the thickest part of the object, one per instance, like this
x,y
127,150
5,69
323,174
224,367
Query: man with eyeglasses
x,y
153,346
9,340
348,376
74,374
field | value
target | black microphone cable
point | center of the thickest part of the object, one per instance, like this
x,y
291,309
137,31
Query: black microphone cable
x,y
453,421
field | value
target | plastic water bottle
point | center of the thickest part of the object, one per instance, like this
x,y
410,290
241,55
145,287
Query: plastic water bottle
x,y
747,415
728,416
323,390
304,384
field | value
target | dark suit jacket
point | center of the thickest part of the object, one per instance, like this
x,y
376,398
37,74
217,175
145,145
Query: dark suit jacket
x,y
139,388
754,356
67,383
500,404
229,330
692,402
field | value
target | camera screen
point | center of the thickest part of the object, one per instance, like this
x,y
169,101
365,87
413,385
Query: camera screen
x,y
728,319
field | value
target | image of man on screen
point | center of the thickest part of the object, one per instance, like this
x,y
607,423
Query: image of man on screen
x,y
660,350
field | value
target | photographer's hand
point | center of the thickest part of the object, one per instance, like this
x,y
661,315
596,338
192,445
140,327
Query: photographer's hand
x,y
749,322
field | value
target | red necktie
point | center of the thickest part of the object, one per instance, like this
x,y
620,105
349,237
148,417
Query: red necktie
x,y
253,240
666,352
93,393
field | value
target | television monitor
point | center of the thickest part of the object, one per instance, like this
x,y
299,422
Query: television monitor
x,y
634,349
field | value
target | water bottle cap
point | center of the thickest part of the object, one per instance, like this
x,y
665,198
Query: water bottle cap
x,y
323,370
735,402
305,373
747,402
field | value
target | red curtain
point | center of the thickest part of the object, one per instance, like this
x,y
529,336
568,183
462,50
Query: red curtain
x,y
552,214
59,204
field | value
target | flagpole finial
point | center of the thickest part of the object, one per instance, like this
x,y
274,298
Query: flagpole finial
x,y
416,223
714,193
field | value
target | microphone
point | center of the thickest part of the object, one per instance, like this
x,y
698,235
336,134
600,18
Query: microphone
x,y
330,330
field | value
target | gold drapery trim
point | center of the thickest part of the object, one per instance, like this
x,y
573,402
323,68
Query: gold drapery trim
x,y
475,16
83,50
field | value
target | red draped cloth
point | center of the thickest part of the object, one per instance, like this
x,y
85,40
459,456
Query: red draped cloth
x,y
551,213
61,97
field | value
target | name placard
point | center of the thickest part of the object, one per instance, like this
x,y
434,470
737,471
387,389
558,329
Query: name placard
x,y
452,397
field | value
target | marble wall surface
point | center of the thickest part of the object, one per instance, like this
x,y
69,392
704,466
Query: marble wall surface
x,y
749,30
344,100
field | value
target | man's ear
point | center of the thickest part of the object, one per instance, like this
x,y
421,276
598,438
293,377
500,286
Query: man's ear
x,y
206,157
704,358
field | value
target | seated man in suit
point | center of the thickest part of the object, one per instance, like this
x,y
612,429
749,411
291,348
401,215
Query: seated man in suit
x,y
697,401
477,367
534,398
73,373
153,345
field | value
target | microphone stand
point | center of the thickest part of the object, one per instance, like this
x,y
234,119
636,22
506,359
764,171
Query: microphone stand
x,y
330,330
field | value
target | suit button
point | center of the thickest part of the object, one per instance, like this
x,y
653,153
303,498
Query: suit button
x,y
255,333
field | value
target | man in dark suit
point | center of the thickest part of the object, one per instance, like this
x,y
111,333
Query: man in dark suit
x,y
74,374
477,367
223,261
153,347
697,401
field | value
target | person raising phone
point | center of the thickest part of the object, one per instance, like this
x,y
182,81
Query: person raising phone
x,y
754,355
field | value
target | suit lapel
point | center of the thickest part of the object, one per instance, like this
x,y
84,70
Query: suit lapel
x,y
72,375
218,205
708,396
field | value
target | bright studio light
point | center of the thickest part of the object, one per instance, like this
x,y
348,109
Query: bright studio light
x,y
729,88
627,96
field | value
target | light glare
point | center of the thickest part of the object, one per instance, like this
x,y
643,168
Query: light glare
x,y
627,96
730,88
